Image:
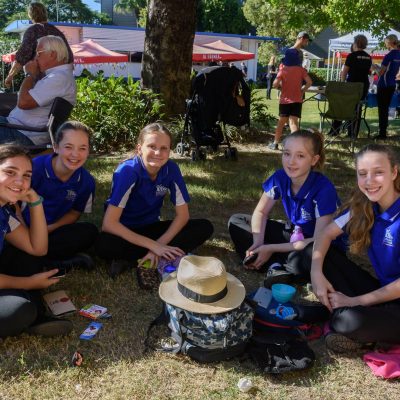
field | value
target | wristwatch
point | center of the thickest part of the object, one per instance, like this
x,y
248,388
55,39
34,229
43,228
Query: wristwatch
x,y
29,74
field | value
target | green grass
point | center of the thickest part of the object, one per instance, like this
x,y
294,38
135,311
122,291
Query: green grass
x,y
311,118
115,365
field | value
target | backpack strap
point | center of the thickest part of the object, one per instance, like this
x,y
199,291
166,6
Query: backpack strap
x,y
161,319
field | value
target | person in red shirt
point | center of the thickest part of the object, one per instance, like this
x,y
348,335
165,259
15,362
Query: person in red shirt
x,y
290,80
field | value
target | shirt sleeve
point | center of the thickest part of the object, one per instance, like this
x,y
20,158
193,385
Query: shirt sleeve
x,y
123,183
13,223
326,200
272,188
47,88
342,219
349,61
178,191
26,51
84,202
386,60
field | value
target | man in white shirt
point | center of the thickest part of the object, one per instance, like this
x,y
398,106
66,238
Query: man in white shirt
x,y
46,77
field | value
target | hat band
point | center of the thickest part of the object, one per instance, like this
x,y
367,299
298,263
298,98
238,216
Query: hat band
x,y
201,298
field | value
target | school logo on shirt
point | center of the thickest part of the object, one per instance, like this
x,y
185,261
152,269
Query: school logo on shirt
x,y
71,195
305,215
161,190
388,238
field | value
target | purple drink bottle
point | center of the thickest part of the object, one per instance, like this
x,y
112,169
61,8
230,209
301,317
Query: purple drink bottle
x,y
297,234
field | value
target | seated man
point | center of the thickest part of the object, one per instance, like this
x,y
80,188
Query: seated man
x,y
46,77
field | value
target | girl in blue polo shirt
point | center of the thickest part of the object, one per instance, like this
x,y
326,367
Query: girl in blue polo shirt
x,y
20,305
68,191
309,200
364,309
132,228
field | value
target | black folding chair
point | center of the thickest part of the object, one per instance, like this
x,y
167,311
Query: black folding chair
x,y
59,113
344,104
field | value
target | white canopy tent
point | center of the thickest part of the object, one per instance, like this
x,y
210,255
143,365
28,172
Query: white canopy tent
x,y
343,44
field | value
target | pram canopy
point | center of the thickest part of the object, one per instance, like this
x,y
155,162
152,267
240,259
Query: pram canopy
x,y
220,94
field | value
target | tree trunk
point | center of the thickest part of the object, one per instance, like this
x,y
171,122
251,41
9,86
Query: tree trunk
x,y
168,47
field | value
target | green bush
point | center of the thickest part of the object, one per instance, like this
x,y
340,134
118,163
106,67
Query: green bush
x,y
116,109
318,76
259,115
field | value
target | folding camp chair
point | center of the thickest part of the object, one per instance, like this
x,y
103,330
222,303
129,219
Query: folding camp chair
x,y
344,102
59,112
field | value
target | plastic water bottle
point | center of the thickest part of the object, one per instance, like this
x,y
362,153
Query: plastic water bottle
x,y
297,234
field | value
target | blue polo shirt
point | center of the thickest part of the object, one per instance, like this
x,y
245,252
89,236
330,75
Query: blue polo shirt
x,y
392,63
8,222
316,198
139,196
384,251
60,197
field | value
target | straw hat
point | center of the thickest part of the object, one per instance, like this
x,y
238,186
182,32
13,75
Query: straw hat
x,y
202,285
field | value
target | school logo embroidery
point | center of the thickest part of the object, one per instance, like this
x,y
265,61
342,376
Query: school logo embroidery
x,y
305,215
388,238
71,195
161,190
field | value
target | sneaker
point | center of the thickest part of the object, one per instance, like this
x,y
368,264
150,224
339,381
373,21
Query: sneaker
x,y
79,260
49,327
277,274
117,267
341,344
273,146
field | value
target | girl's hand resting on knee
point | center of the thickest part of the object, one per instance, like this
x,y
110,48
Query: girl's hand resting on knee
x,y
322,288
338,299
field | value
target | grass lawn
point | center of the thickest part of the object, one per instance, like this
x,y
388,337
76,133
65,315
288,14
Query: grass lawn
x,y
115,366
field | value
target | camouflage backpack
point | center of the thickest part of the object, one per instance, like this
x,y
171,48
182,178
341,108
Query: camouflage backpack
x,y
206,337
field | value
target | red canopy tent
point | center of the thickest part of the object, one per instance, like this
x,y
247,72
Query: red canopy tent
x,y
87,52
219,51
90,52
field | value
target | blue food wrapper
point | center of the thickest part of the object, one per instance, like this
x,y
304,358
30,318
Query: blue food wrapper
x,y
90,332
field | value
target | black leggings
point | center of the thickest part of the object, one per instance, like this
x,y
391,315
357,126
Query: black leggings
x,y
275,232
193,234
378,323
384,96
18,310
64,242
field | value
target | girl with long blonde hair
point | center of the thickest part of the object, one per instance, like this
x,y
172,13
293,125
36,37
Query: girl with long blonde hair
x,y
364,309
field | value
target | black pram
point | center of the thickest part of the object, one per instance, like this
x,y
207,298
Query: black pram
x,y
220,95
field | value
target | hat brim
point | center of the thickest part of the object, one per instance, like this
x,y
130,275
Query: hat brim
x,y
170,293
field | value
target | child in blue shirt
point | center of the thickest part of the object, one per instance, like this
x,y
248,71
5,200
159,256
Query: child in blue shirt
x,y
68,191
20,305
364,309
309,200
132,228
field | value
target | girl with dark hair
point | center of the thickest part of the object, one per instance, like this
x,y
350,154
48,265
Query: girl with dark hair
x,y
20,305
309,200
364,309
132,228
68,190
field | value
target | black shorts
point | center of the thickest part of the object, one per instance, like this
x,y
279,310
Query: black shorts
x,y
291,109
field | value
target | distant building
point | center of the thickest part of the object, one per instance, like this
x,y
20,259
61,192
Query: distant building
x,y
320,44
119,18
